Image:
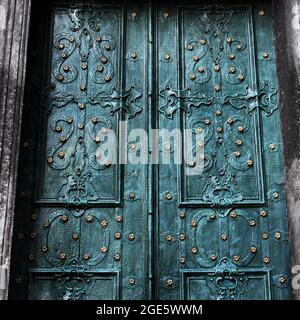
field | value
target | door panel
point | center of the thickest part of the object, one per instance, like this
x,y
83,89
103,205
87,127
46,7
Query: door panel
x,y
213,227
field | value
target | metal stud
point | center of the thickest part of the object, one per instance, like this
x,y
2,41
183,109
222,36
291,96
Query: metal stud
x,y
62,139
261,13
217,68
241,77
182,260
168,196
237,154
61,46
167,56
265,236
63,218
104,223
66,68
103,249
239,47
218,113
75,236
196,58
98,38
207,122
229,40
201,156
278,236
194,250
219,129
169,238
233,215
182,215
117,257
63,55
192,76
80,126
182,237
82,87
44,249
199,129
201,69
272,146
81,106
266,260
131,236
62,256
239,142
275,195
107,47
86,256
231,56
117,235
133,55
252,223
282,279
33,235
264,213
34,217
229,121
119,218
61,154
190,47
266,55
103,60
72,39
250,163
202,42
50,160
169,283
132,195
253,249
69,120
89,218
236,258
58,129
132,281
31,257
213,257
200,144
232,70
94,120
83,66
192,163
224,237
212,217
217,88
46,224
107,78
241,129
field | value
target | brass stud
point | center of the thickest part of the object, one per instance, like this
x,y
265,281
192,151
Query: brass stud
x,y
97,155
264,213
104,130
119,218
131,281
117,235
46,224
63,139
66,68
71,39
103,250
275,195
166,14
217,88
199,129
50,160
213,257
117,257
261,13
89,218
253,249
75,236
107,78
241,77
63,218
266,260
169,238
239,47
217,68
133,55
81,106
196,58
201,156
83,66
69,120
131,236
218,113
107,47
182,260
168,196
232,70
231,56
266,55
229,40
252,223
207,122
169,283
229,121
212,217
241,129
98,38
82,87
239,142
104,223
100,68
80,126
132,195
44,249
60,77
61,46
61,154
233,215
168,147
167,56
103,60
194,250
272,146
250,163
86,256
200,144
62,256
278,236
282,279
237,154
33,235
31,257
201,69
132,146
219,129
58,129
182,215
265,236
190,47
182,237
107,163
192,163
236,258
224,237
192,76
94,120
63,55
202,42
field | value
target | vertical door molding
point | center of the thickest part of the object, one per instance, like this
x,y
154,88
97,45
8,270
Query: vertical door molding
x,y
14,25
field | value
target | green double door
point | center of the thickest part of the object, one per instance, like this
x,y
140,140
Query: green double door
x,y
124,230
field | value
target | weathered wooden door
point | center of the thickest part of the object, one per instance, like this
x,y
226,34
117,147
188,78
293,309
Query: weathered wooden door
x,y
104,230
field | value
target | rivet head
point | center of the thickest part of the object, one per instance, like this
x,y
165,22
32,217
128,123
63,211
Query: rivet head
x,y
81,106
202,42
239,47
34,217
82,87
236,258
63,218
66,68
229,121
275,195
167,56
264,213
75,236
201,69
182,260
192,76
278,235
117,257
212,217
94,120
61,154
84,66
131,236
131,281
237,154
63,55
194,250
194,223
233,215
190,47
182,215
62,256
192,163
218,113
201,156
86,256
272,146
131,195
224,237
103,60
104,223
61,46
252,223
217,68
196,58
89,218
182,237
97,139
62,139
132,146
229,40
69,120
266,260
46,224
31,257
119,218
231,56
213,257
261,13
282,279
219,129
107,47
117,235
241,77
265,235
72,39
58,129
217,88
44,249
166,14
133,55
33,235
107,78
250,163
266,55
168,196
60,77
207,121
169,238
100,69
239,142
169,283
50,160
103,250
98,38
241,129
232,70
253,249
